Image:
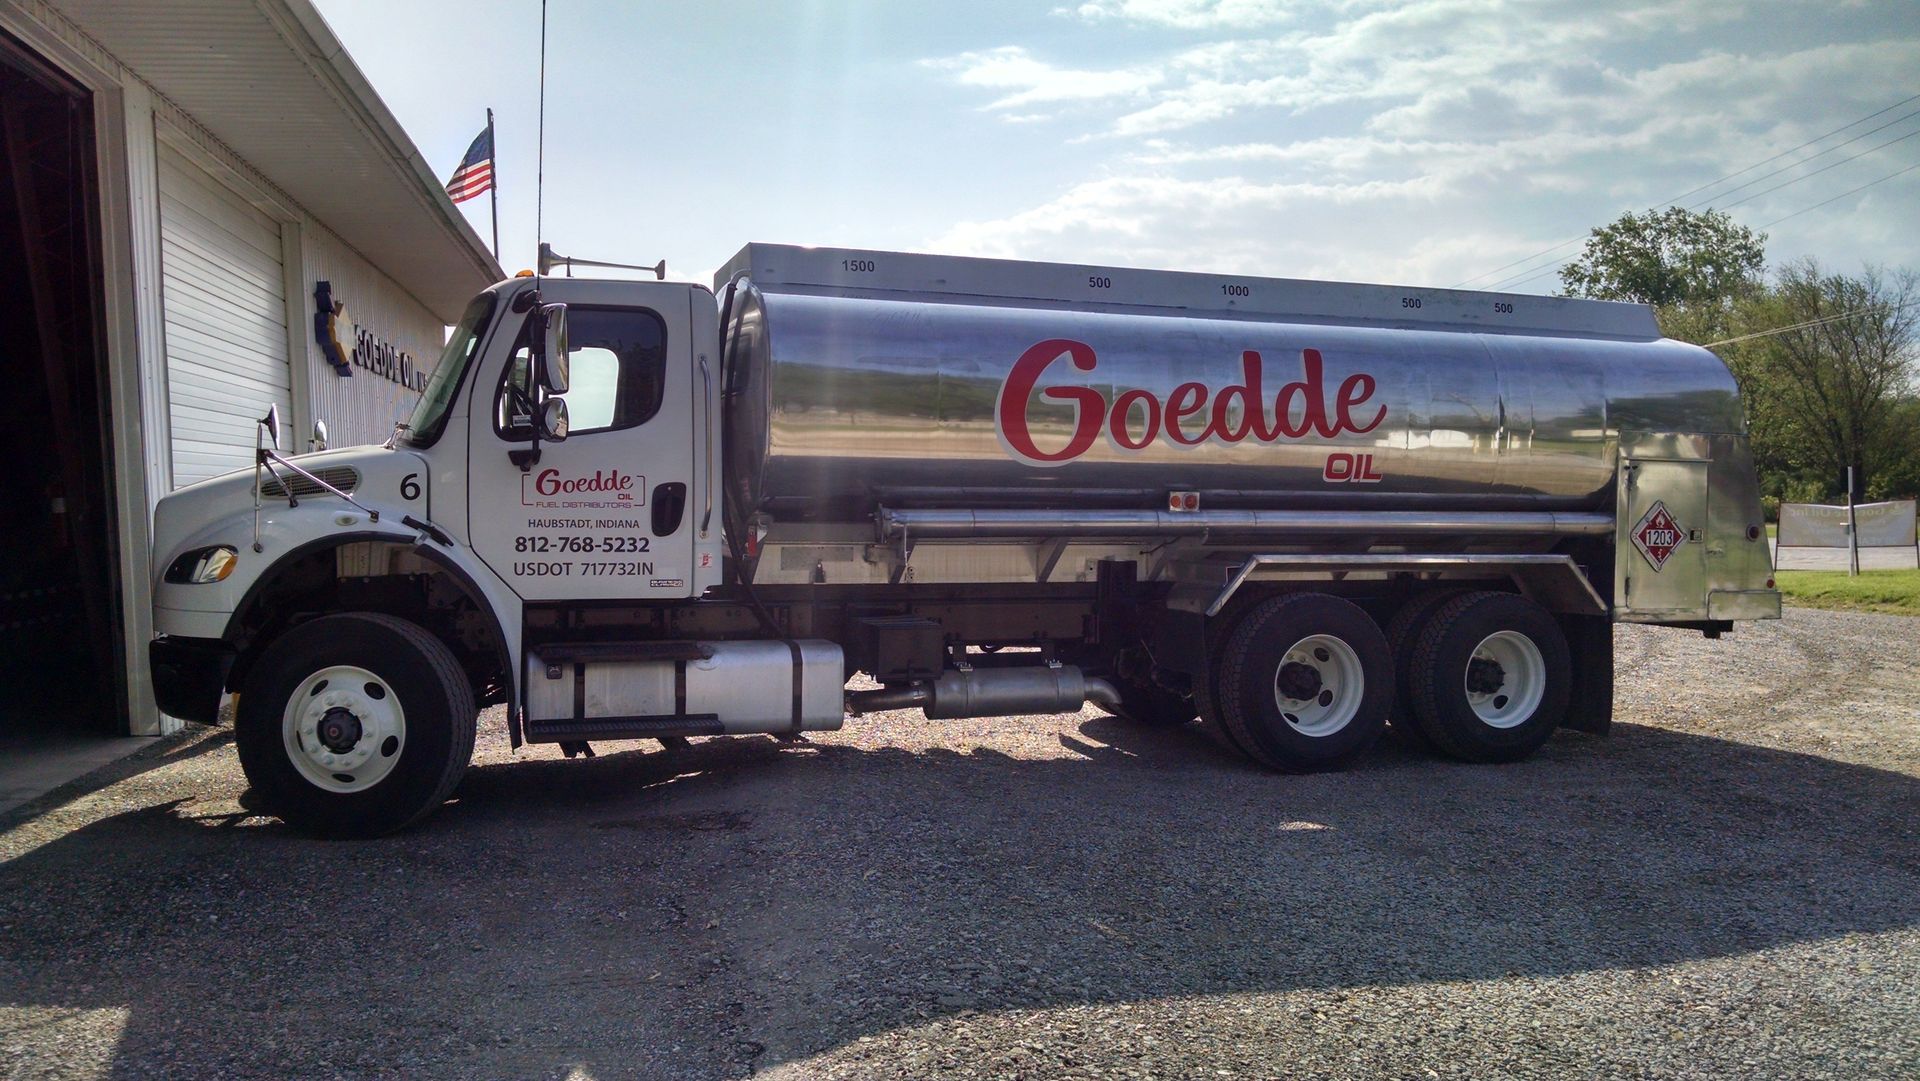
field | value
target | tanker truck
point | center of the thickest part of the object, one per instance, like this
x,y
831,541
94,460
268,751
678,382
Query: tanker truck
x,y
1295,511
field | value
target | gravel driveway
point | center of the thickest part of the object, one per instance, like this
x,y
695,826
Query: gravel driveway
x,y
1729,886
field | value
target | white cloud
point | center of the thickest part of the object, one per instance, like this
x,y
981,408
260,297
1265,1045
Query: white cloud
x,y
1184,14
1117,213
1428,140
1034,82
1401,53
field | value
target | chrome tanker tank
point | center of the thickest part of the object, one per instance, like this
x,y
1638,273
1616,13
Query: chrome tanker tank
x,y
855,381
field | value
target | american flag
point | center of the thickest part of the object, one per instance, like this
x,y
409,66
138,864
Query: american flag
x,y
475,174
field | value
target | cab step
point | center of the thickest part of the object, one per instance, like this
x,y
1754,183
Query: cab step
x,y
567,730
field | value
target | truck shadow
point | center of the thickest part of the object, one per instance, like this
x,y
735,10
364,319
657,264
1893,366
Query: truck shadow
x,y
721,909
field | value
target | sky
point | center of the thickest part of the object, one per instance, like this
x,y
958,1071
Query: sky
x,y
1432,142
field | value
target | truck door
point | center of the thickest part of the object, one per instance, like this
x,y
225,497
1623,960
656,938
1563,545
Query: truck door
x,y
607,513
1662,543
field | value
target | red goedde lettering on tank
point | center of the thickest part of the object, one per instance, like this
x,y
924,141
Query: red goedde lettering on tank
x,y
1173,421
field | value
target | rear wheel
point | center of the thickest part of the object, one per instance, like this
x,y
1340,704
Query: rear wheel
x,y
355,725
1490,677
1403,630
1206,697
1304,682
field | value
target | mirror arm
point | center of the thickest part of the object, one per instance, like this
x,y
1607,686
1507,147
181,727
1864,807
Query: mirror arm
x,y
259,463
268,458
529,456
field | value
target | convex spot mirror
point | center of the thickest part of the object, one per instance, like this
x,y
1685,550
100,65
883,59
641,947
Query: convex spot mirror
x,y
319,435
553,420
271,425
554,367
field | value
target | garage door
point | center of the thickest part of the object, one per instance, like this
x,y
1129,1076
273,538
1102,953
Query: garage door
x,y
226,319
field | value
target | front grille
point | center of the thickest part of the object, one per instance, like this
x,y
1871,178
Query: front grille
x,y
343,477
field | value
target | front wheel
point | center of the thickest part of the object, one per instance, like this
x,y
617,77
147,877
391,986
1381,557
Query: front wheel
x,y
1490,676
355,725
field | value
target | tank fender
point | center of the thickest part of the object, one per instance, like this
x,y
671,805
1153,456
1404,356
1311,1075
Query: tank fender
x,y
1554,580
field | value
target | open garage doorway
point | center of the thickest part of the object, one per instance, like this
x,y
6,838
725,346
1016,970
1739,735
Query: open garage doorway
x,y
60,646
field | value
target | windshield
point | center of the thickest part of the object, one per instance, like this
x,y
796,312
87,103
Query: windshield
x,y
430,416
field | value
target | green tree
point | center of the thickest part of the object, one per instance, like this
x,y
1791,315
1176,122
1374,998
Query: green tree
x,y
1691,266
1834,375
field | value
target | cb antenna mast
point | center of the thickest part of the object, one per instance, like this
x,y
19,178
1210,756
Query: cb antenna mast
x,y
545,258
540,153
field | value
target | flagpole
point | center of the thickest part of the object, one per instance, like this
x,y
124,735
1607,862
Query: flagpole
x,y
493,189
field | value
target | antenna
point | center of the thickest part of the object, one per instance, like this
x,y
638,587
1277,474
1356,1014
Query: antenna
x,y
540,153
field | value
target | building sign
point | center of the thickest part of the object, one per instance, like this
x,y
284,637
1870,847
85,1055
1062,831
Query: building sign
x,y
382,358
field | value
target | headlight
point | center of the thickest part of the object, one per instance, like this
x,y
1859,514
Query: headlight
x,y
203,565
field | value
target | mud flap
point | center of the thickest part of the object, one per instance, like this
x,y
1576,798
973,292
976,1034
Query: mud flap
x,y
1590,645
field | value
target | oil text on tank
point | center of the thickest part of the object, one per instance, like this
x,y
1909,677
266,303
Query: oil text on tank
x,y
1192,413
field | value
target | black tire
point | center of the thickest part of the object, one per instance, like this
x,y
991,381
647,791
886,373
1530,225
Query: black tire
x,y
425,682
1403,630
1151,705
1206,699
1443,688
1353,678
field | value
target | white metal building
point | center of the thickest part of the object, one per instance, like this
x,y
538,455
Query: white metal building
x,y
177,182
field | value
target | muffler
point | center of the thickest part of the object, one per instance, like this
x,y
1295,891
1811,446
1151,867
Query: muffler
x,y
991,692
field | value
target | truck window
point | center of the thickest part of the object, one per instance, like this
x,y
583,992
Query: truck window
x,y
619,368
430,415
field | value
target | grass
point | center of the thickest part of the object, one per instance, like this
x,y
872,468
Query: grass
x,y
1893,591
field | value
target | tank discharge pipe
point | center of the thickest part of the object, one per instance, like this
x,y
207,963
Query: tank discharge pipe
x,y
1131,523
991,692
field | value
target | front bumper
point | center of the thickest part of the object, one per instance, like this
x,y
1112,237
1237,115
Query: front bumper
x,y
189,676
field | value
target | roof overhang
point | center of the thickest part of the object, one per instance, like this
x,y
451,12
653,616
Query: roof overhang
x,y
269,79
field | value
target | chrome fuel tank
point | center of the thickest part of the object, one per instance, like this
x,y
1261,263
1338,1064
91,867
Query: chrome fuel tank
x,y
856,380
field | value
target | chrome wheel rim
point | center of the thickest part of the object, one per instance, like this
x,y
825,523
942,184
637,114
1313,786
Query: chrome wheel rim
x,y
344,729
1318,685
1505,679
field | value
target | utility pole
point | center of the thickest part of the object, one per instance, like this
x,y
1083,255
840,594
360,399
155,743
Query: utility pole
x,y
1853,532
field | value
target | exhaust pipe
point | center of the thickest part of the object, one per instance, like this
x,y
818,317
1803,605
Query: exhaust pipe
x,y
991,692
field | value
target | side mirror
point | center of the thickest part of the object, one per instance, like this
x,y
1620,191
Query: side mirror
x,y
319,435
553,348
271,425
553,420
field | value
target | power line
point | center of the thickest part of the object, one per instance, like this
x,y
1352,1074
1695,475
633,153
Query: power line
x,y
1531,275
1510,283
1802,146
1540,273
1808,158
1809,324
1842,195
1703,187
1820,170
